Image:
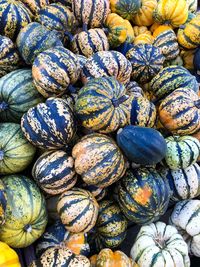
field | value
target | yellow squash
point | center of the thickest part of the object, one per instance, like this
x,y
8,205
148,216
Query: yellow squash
x,y
144,38
8,257
144,17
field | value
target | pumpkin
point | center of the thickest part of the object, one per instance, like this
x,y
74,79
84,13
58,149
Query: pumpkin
x,y
146,60
57,236
167,42
192,5
9,57
98,160
16,152
134,89
89,42
182,151
144,38
34,39
189,35
35,5
171,78
185,217
125,8
171,12
54,172
54,70
184,183
143,112
158,244
179,112
110,228
138,147
107,63
8,257
160,29
92,13
102,105
17,95
144,16
80,217
98,193
50,124
143,195
3,203
26,216
14,16
140,30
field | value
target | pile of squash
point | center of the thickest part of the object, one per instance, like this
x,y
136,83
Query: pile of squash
x,y
99,130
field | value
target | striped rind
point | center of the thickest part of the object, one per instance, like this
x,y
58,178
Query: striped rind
x,y
35,5
54,172
78,210
107,63
50,124
98,160
19,93
125,8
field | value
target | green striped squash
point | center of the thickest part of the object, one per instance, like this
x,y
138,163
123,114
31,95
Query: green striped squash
x,y
54,70
9,57
89,42
78,210
92,13
34,39
14,16
192,5
49,125
182,151
17,95
125,8
102,105
26,216
54,172
110,228
98,160
3,203
35,5
134,89
167,42
170,79
143,195
107,63
16,152
146,60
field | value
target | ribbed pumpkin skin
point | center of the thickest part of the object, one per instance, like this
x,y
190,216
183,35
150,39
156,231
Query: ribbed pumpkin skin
x,y
184,183
144,38
50,124
80,217
3,203
111,226
54,70
133,89
146,60
181,151
171,78
180,112
102,105
16,152
92,13
17,95
144,16
89,42
140,30
56,235
167,42
160,245
98,160
35,5
8,256
125,8
143,112
192,5
142,145
143,195
9,57
54,172
34,39
14,16
189,36
26,216
107,63
173,12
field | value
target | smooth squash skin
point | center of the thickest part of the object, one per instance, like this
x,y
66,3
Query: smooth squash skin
x,y
8,257
144,16
125,8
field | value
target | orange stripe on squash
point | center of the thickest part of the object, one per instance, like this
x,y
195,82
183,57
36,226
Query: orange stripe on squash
x,y
143,194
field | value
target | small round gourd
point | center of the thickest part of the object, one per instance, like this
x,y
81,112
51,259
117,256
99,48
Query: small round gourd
x,y
144,16
125,8
98,160
35,5
8,257
80,217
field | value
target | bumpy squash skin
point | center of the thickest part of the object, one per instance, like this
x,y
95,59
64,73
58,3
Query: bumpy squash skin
x,y
144,16
17,95
80,217
35,5
8,257
125,8
26,215
3,203
143,195
98,160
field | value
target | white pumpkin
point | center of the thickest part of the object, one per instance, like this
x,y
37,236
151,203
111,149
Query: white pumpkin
x,y
160,245
186,218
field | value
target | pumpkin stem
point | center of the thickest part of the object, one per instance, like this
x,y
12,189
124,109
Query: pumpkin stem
x,y
69,36
197,103
3,106
1,154
28,228
116,102
85,28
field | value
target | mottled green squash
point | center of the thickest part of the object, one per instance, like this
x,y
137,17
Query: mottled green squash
x,y
125,8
